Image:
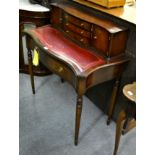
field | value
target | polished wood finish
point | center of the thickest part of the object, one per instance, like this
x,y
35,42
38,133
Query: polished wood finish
x,y
78,118
37,19
82,21
77,22
126,119
107,38
74,33
113,100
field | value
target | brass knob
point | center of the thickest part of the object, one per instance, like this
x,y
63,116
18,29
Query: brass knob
x,y
82,40
82,32
66,16
60,69
60,20
81,24
67,24
67,31
95,37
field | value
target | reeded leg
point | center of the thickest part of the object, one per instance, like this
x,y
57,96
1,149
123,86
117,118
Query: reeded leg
x,y
31,70
78,118
113,100
119,125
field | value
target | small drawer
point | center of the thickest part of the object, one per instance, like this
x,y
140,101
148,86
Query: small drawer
x,y
110,44
76,21
100,40
57,67
76,29
75,36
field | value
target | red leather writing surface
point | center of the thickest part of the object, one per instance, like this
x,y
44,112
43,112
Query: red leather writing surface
x,y
58,44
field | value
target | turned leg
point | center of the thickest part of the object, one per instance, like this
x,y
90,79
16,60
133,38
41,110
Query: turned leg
x,y
78,118
119,125
31,70
113,100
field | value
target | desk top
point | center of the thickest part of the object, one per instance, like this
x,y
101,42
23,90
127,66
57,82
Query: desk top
x,y
127,13
27,6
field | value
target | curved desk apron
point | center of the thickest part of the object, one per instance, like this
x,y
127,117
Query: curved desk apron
x,y
30,15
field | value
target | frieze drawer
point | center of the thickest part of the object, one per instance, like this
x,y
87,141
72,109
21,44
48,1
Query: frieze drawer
x,y
57,67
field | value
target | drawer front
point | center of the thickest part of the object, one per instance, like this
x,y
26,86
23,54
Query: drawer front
x,y
118,43
77,30
100,40
108,43
76,37
56,16
76,21
57,67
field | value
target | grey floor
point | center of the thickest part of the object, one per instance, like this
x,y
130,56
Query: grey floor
x,y
46,122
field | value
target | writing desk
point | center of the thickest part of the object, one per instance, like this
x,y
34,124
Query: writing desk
x,y
81,48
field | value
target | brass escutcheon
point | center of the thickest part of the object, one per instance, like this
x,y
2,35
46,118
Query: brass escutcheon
x,y
60,69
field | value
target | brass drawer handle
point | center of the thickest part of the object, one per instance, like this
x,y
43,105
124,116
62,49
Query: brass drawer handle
x,y
60,20
66,16
67,24
95,37
60,69
82,40
67,31
81,24
82,32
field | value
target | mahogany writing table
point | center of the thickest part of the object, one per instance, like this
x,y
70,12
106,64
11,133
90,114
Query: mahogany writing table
x,y
81,48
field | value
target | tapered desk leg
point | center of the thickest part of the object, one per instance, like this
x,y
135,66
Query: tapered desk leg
x,y
31,70
113,100
78,118
119,126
